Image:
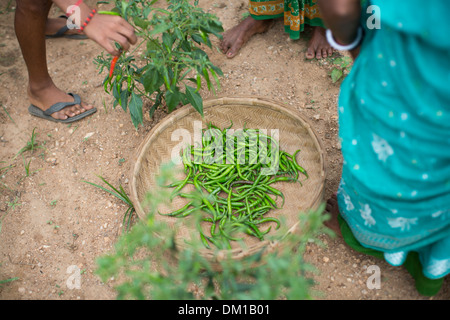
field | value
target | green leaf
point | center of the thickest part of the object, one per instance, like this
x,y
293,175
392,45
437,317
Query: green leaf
x,y
152,80
141,23
168,40
214,74
194,99
199,54
160,28
206,76
153,45
114,192
186,46
179,34
337,61
215,27
135,107
217,70
196,38
124,99
172,99
116,94
336,75
124,9
346,62
212,29
156,104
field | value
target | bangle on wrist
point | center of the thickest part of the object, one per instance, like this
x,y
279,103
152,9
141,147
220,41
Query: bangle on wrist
x,y
348,47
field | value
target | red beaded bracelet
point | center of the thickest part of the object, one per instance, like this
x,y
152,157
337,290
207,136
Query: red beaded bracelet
x,y
91,15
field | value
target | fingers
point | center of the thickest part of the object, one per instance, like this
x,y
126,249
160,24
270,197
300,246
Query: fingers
x,y
109,47
125,35
122,41
107,30
128,32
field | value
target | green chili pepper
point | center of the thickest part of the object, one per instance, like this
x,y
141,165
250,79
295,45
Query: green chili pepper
x,y
204,240
111,13
181,186
179,211
129,84
238,194
299,168
268,219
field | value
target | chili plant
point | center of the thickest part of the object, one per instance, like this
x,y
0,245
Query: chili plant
x,y
173,66
142,266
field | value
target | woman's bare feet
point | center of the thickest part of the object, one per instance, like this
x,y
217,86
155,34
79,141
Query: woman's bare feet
x,y
333,209
318,46
45,97
237,37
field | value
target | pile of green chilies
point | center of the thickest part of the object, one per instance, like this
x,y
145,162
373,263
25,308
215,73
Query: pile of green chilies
x,y
237,194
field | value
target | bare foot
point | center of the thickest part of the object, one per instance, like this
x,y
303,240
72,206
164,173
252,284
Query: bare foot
x,y
318,46
237,37
45,97
55,24
333,209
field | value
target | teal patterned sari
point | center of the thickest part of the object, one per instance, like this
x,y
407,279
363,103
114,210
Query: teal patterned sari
x,y
394,117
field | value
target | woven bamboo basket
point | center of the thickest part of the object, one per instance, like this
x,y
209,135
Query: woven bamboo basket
x,y
249,112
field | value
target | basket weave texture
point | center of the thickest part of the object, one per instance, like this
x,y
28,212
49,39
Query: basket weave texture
x,y
245,112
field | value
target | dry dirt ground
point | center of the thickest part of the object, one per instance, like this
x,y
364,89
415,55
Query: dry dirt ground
x,y
51,220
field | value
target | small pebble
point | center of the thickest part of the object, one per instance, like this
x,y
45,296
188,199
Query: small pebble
x,y
90,134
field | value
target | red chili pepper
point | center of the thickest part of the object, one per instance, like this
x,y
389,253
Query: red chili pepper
x,y
113,65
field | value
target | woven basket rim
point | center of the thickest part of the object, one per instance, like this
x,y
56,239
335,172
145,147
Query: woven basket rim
x,y
236,253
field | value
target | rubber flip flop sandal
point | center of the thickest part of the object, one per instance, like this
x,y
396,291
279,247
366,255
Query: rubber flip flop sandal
x,y
62,33
35,111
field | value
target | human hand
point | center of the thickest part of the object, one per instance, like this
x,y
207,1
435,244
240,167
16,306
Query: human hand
x,y
108,29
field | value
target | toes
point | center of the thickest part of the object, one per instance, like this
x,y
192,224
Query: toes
x,y
233,50
60,116
86,107
310,54
70,113
224,46
226,43
330,51
318,54
76,110
73,111
79,109
230,54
